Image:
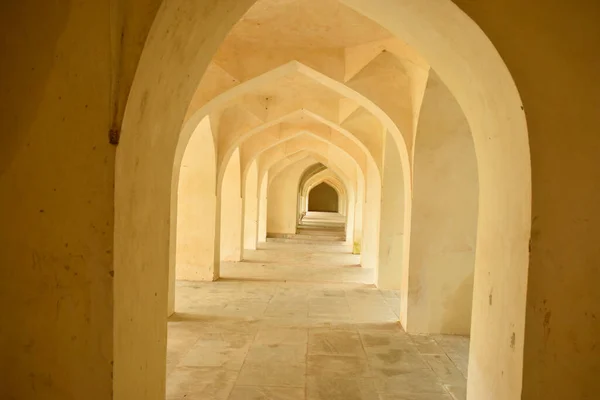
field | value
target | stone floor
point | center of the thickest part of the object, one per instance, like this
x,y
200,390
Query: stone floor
x,y
303,322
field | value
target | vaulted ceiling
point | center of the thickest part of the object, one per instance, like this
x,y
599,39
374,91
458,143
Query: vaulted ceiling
x,y
312,66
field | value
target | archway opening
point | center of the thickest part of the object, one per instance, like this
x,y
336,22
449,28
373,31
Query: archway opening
x,y
323,198
231,211
194,210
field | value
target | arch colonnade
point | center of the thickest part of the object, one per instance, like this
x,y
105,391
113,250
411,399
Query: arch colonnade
x,y
391,104
147,140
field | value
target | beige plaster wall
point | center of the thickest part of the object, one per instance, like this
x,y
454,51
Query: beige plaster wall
x,y
391,228
444,218
282,200
371,215
196,201
358,216
250,201
323,198
56,199
562,358
231,211
262,208
348,207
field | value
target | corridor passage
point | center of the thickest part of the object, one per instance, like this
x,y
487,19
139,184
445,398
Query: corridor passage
x,y
299,321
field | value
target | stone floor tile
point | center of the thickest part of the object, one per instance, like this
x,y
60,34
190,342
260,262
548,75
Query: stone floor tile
x,y
200,384
272,374
338,325
376,342
388,293
297,321
457,348
277,353
397,359
286,312
407,381
413,396
330,316
427,345
342,388
392,328
282,336
225,358
267,393
225,339
444,368
334,342
458,392
344,366
293,325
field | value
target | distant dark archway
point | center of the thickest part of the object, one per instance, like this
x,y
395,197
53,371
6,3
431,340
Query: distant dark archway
x,y
323,198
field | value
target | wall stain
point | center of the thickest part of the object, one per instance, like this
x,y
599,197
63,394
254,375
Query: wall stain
x,y
546,324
